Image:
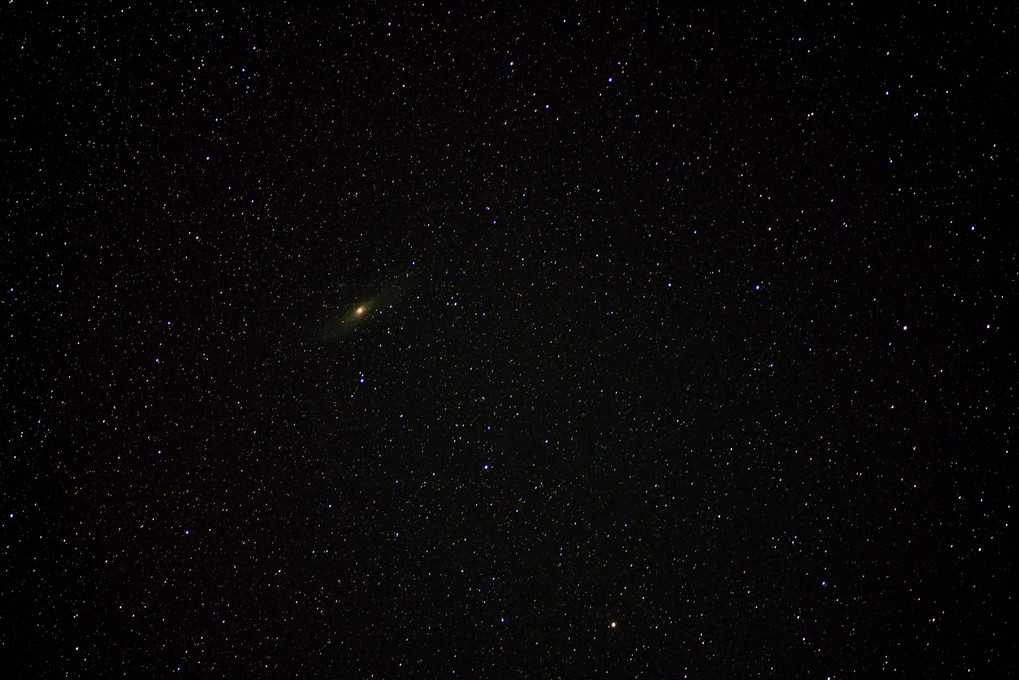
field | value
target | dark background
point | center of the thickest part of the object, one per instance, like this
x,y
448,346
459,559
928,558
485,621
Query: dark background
x,y
684,350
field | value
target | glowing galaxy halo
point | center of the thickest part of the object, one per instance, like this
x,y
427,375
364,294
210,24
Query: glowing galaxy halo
x,y
339,325
355,312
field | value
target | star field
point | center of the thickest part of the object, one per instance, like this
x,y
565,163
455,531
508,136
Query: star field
x,y
630,341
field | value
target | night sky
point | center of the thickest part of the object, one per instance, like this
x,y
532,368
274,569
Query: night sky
x,y
642,341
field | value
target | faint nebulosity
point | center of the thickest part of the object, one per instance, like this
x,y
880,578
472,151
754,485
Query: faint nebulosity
x,y
646,340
